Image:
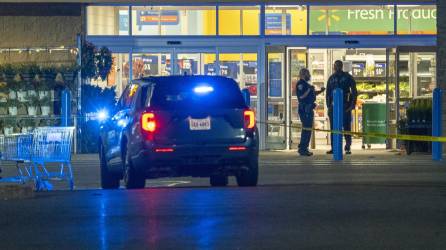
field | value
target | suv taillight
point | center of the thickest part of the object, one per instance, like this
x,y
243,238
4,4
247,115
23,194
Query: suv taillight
x,y
148,122
249,118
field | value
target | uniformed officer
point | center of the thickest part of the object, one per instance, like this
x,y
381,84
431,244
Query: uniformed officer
x,y
345,81
306,94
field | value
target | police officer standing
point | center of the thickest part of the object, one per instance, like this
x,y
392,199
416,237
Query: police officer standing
x,y
306,95
344,81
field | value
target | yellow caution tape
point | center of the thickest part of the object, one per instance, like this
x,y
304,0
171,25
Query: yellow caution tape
x,y
380,135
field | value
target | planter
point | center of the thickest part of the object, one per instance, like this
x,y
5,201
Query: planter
x,y
21,95
12,110
12,95
43,94
32,110
32,93
45,110
8,130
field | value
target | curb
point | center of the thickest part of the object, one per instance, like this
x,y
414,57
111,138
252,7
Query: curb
x,y
15,191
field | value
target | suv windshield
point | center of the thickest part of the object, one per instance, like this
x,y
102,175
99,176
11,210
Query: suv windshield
x,y
197,93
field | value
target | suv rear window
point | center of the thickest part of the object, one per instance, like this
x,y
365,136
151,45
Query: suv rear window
x,y
197,93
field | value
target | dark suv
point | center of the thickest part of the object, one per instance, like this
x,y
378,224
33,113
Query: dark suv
x,y
180,126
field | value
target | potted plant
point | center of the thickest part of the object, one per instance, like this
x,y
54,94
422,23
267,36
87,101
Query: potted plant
x,y
13,87
48,73
13,105
9,71
3,92
9,125
45,105
33,103
22,91
30,89
27,125
29,71
3,105
43,88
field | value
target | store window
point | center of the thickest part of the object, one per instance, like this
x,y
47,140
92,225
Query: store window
x,y
174,20
151,64
107,20
417,19
285,20
197,63
239,20
352,20
242,67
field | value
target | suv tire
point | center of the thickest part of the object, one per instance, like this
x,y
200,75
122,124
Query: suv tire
x,y
133,179
108,180
249,177
218,180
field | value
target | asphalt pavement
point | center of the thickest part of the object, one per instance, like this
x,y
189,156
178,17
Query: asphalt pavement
x,y
371,200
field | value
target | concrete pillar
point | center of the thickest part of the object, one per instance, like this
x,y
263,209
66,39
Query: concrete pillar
x,y
441,53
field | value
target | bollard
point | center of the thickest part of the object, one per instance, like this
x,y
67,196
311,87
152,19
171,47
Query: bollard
x,y
66,108
437,147
338,116
246,96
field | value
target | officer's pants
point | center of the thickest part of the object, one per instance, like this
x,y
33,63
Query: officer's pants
x,y
307,122
347,126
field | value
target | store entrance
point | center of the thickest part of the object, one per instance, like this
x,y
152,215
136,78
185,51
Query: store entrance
x,y
370,68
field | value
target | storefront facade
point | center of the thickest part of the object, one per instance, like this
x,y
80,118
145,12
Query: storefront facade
x,y
389,49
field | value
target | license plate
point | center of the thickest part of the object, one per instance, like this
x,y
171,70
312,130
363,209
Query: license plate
x,y
200,124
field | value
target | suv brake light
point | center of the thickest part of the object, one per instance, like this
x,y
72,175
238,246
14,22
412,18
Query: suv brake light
x,y
249,118
148,122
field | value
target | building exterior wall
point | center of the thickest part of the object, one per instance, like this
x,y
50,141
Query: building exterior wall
x,y
38,25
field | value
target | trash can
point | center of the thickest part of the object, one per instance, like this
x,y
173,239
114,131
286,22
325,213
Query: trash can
x,y
373,121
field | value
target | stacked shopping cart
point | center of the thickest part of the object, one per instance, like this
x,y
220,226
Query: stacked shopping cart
x,y
32,152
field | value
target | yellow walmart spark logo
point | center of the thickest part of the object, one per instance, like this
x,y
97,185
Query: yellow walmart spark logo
x,y
329,16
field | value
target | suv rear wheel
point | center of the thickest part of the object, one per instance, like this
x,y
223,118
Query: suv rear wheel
x,y
249,177
133,179
108,180
219,180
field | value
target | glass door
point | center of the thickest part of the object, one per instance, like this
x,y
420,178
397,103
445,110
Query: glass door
x,y
196,63
416,75
297,58
276,101
151,64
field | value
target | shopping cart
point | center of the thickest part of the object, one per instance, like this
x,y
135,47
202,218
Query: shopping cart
x,y
52,145
34,151
17,148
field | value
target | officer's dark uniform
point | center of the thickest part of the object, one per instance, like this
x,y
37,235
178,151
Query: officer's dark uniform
x,y
346,82
305,110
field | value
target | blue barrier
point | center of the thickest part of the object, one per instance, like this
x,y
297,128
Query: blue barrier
x,y
437,147
338,116
66,108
